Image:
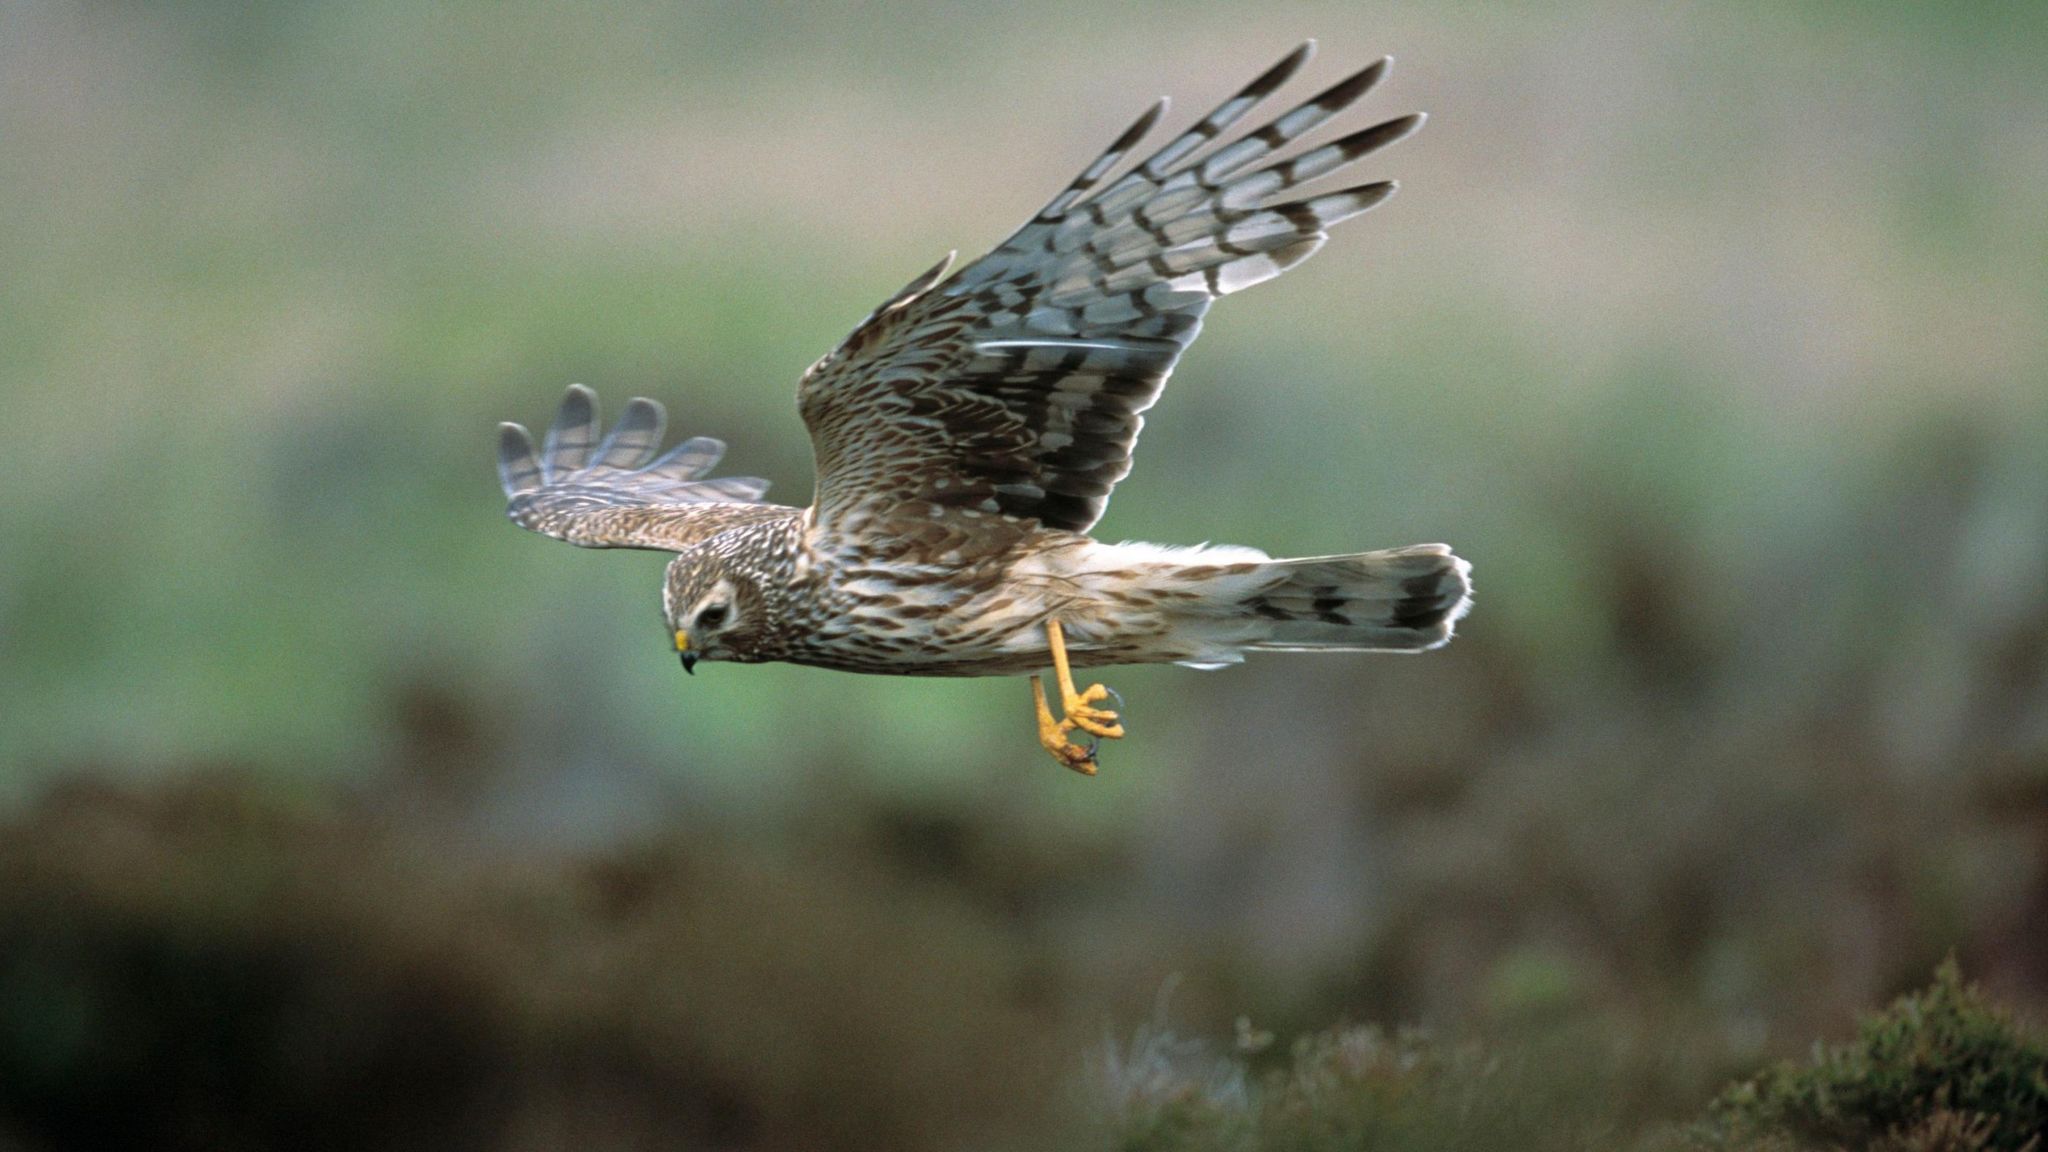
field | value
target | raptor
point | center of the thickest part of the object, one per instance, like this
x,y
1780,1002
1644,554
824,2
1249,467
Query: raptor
x,y
969,431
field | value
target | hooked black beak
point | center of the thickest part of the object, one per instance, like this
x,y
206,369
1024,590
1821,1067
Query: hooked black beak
x,y
690,663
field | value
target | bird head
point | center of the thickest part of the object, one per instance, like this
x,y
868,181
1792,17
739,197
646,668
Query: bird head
x,y
713,611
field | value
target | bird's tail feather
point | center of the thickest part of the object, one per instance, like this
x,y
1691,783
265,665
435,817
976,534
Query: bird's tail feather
x,y
1395,600
1207,606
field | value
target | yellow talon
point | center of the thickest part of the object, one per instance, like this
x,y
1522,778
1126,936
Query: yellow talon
x,y
1095,721
1052,734
1078,706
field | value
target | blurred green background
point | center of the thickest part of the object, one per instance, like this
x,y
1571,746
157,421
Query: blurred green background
x,y
1716,336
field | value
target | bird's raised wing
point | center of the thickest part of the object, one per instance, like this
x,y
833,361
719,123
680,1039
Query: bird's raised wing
x,y
616,492
1012,391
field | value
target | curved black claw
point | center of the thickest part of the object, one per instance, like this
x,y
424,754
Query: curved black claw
x,y
1094,741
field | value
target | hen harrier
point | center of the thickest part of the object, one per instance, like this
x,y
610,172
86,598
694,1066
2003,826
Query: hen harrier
x,y
968,434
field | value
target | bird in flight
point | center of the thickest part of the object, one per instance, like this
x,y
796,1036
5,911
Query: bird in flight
x,y
967,435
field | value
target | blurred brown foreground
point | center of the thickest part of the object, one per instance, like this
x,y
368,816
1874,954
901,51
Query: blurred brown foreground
x,y
225,962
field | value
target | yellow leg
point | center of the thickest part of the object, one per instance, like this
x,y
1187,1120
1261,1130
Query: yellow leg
x,y
1078,706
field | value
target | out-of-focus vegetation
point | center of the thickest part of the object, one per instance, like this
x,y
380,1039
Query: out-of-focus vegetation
x,y
1942,1070
1940,1062
1346,1088
224,964
337,809
221,964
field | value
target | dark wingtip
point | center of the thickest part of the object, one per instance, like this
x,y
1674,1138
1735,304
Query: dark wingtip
x,y
1283,71
1348,90
1142,125
578,407
1369,140
518,468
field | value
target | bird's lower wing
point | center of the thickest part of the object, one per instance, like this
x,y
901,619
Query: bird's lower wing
x,y
622,491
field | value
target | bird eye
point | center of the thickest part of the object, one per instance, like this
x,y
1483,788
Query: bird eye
x,y
712,618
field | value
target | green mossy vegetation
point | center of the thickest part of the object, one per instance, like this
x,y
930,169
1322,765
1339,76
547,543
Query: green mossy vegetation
x,y
1942,1068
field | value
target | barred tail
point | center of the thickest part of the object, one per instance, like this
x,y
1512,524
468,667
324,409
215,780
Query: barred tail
x,y
1396,600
